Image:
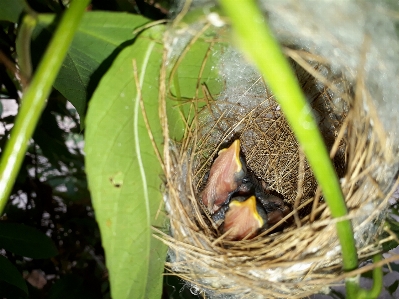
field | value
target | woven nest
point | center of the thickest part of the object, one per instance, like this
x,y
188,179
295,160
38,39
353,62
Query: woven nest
x,y
303,257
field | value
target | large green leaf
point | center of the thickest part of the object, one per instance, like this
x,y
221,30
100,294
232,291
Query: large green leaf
x,y
197,65
26,241
10,274
10,10
123,171
100,37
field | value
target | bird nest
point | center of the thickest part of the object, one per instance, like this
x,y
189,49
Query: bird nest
x,y
300,255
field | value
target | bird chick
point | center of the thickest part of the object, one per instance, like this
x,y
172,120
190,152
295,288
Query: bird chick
x,y
250,184
244,218
274,206
225,176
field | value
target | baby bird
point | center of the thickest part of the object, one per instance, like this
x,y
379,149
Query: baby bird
x,y
274,206
244,218
225,177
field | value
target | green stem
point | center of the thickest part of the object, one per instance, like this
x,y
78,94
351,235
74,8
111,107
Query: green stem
x,y
33,100
256,40
23,47
378,276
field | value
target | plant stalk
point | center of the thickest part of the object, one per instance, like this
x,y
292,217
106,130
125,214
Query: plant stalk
x,y
256,39
33,101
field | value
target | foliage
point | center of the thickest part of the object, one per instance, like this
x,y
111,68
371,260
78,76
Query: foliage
x,y
121,162
50,241
59,242
99,39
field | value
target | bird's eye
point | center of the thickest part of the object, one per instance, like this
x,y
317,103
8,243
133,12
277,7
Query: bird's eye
x,y
246,180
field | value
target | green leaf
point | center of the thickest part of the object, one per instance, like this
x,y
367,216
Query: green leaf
x,y
198,66
394,267
26,241
191,70
100,37
123,171
393,287
393,224
10,10
389,245
11,275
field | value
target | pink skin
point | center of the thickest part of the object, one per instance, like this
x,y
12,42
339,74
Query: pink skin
x,y
243,219
224,178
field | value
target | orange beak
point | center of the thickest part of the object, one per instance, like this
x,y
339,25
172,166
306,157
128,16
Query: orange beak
x,y
225,176
244,218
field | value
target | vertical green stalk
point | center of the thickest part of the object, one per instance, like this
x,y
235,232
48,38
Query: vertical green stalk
x,y
256,40
33,100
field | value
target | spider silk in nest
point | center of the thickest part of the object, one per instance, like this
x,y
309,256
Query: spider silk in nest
x,y
300,255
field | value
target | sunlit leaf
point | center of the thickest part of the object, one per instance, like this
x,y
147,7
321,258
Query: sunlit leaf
x,y
197,67
10,274
123,171
193,73
100,37
26,241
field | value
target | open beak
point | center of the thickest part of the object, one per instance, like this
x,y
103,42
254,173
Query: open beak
x,y
244,218
225,176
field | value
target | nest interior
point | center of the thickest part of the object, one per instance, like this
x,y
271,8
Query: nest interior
x,y
304,257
